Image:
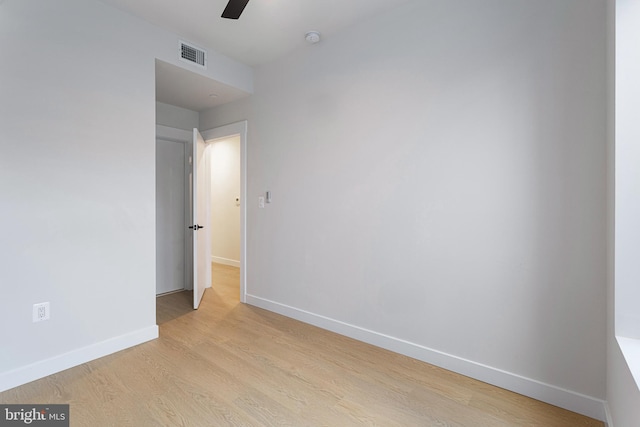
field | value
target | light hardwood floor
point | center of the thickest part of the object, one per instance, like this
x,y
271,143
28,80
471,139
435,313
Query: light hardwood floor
x,y
229,364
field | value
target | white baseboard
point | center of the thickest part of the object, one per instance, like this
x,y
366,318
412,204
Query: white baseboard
x,y
225,261
576,402
43,368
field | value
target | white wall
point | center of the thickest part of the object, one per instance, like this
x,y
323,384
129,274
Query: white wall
x,y
623,395
439,188
77,178
224,157
627,212
176,117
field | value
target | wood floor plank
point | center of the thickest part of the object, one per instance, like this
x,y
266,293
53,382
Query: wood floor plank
x,y
230,364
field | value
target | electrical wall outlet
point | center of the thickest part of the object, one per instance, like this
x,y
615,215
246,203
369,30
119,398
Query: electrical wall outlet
x,y
41,312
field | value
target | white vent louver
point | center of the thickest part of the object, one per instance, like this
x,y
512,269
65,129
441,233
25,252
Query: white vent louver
x,y
190,53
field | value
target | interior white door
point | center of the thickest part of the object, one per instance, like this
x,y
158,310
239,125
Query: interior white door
x,y
170,216
201,266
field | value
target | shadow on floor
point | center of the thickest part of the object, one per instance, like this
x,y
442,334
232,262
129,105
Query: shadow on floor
x,y
172,306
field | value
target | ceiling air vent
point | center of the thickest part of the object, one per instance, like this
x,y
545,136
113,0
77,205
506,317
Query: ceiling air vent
x,y
193,54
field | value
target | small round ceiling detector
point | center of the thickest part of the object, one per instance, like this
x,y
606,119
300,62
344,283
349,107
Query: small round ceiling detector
x,y
312,37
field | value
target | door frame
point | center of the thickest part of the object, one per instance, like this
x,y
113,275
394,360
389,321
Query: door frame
x,y
226,131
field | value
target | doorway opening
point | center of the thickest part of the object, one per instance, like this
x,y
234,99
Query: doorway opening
x,y
226,148
226,181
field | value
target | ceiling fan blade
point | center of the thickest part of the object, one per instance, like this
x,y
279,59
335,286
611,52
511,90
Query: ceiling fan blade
x,y
234,9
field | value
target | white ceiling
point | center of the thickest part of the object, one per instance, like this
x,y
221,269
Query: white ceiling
x,y
267,30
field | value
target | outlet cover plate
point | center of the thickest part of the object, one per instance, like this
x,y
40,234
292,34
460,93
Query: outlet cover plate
x,y
41,312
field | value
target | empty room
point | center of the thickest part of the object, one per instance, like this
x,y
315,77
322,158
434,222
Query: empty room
x,y
433,218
